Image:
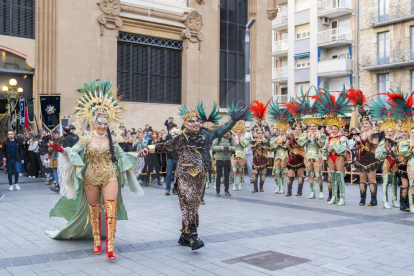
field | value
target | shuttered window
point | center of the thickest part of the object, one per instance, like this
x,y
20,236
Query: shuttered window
x,y
149,69
17,18
233,20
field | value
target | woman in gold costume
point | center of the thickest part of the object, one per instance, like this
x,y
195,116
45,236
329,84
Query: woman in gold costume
x,y
93,169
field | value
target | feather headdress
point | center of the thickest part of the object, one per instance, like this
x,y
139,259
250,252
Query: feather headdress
x,y
401,108
97,97
332,108
187,114
259,111
282,117
214,116
301,107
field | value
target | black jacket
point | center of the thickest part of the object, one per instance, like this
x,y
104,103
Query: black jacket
x,y
70,140
172,154
18,153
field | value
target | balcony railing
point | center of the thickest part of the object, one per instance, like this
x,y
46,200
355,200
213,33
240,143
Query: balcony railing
x,y
282,18
335,66
329,5
280,73
333,35
280,46
179,3
281,98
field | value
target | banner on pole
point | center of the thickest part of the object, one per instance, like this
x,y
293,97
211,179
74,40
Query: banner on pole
x,y
50,110
22,108
30,110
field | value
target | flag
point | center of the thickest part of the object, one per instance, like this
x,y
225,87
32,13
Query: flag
x,y
50,110
26,119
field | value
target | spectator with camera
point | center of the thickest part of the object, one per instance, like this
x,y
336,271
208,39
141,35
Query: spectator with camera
x,y
168,123
223,148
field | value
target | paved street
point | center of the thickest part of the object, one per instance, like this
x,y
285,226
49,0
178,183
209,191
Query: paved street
x,y
314,237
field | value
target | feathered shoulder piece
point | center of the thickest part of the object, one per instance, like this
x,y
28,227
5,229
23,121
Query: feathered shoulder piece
x,y
281,116
259,110
248,116
97,97
214,116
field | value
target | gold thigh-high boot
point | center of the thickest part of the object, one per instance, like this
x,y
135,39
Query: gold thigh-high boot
x,y
394,190
111,210
95,219
385,181
300,185
363,193
330,188
289,188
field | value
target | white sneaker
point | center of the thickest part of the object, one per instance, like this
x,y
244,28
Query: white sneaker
x,y
11,188
17,186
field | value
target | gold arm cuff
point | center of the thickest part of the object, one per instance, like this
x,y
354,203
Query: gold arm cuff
x,y
151,148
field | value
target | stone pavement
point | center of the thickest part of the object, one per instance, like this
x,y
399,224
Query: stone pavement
x,y
246,234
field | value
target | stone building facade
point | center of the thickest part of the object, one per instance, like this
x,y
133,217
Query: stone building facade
x,y
79,40
386,59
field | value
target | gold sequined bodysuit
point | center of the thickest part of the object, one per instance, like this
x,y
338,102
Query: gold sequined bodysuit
x,y
99,170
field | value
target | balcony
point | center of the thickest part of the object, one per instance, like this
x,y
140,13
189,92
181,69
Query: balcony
x,y
281,99
335,37
280,75
396,60
334,8
280,48
335,67
280,23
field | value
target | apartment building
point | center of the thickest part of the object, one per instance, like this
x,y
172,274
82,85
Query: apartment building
x,y
386,45
313,44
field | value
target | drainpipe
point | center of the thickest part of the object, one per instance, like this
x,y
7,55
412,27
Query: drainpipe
x,y
356,44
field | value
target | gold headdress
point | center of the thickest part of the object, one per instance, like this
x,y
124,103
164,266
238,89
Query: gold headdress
x,y
187,114
312,120
97,97
333,120
407,124
239,126
388,123
281,116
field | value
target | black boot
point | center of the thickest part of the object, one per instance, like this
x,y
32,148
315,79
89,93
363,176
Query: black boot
x,y
255,180
184,239
330,191
300,186
55,188
289,191
373,189
195,242
404,205
363,193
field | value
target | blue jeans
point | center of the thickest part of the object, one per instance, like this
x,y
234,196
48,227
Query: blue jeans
x,y
13,167
55,175
171,166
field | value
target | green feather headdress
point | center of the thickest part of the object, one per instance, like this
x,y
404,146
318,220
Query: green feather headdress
x,y
282,117
97,97
186,114
214,116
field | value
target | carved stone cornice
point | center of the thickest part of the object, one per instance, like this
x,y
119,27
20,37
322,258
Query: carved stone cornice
x,y
271,13
193,24
110,18
152,13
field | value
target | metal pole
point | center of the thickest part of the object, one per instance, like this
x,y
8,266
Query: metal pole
x,y
247,65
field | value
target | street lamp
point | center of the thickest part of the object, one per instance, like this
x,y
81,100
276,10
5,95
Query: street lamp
x,y
12,95
247,59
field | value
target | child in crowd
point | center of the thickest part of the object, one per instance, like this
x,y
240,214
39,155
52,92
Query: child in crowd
x,y
48,170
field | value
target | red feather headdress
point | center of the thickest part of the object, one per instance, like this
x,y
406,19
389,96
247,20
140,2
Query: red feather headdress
x,y
258,109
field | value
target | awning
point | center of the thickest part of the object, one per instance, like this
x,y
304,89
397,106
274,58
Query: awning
x,y
301,55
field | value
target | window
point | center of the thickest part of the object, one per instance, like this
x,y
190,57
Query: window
x,y
302,65
233,20
17,18
149,69
383,48
412,41
302,35
383,84
383,6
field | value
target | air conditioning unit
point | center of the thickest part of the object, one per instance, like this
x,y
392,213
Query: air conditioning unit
x,y
325,20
